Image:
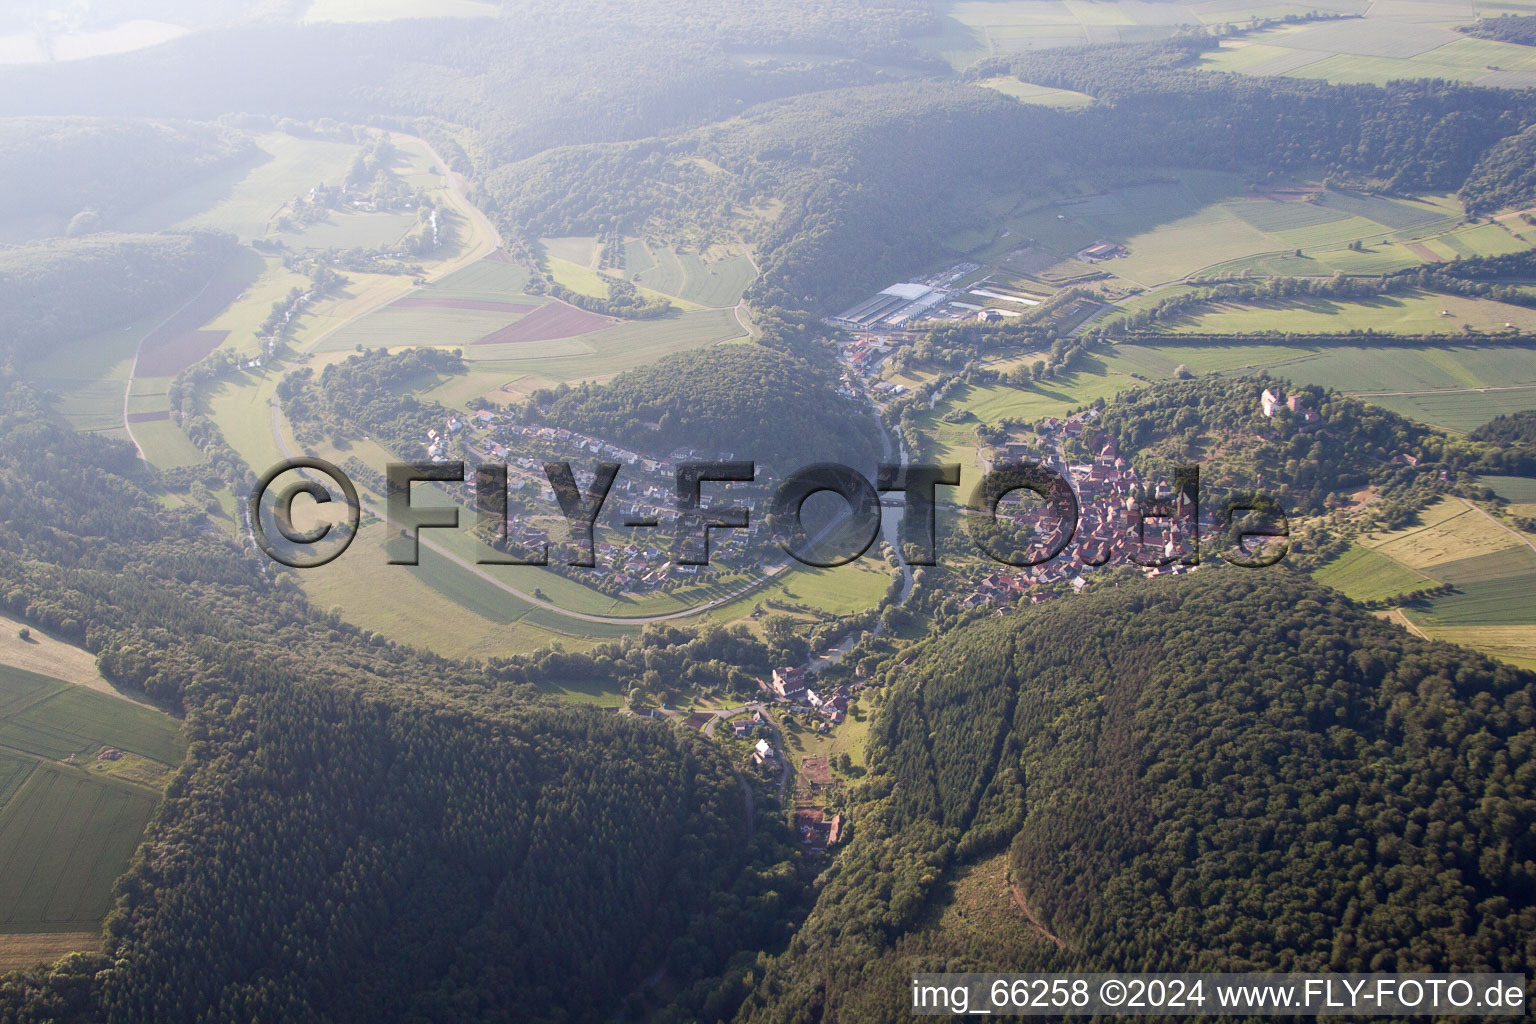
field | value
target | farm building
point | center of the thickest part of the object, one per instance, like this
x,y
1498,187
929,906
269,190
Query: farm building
x,y
894,306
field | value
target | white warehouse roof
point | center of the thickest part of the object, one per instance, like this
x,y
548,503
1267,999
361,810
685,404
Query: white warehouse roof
x,y
908,291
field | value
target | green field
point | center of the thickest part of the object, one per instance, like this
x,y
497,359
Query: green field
x,y
969,30
1409,313
166,446
398,327
1491,568
53,719
1458,387
65,837
67,830
1039,95
491,279
687,275
347,229
609,350
1519,490
1199,224
1366,575
1376,50
246,199
956,442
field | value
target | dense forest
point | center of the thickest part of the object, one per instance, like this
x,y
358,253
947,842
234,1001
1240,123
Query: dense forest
x,y
1516,428
1505,176
369,394
96,169
1507,28
65,289
362,830
1229,771
759,404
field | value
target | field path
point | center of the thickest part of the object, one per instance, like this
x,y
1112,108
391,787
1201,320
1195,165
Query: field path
x,y
1018,899
1443,391
1522,538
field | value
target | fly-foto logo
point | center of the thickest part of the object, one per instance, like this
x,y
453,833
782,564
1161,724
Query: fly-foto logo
x,y
1017,539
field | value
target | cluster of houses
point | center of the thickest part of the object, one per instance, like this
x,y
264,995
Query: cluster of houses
x,y
644,490
796,686
1111,528
864,354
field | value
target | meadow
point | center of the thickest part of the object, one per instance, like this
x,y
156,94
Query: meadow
x,y
612,349
1412,312
246,200
956,442
1039,95
1490,568
688,275
972,29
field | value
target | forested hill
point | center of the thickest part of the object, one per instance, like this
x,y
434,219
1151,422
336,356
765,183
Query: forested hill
x,y
645,67
66,289
873,178
1235,770
82,172
870,179
760,404
361,831
1517,428
1307,462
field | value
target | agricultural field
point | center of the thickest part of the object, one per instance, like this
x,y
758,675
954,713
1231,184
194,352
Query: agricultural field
x,y
1491,568
450,604
246,200
956,441
1457,387
1378,49
1517,490
1413,312
973,29
65,837
611,349
1039,95
1188,225
69,822
715,279
31,949
1367,575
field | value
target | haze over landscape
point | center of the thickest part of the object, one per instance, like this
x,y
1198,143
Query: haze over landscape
x,y
1207,331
